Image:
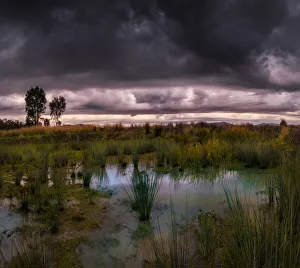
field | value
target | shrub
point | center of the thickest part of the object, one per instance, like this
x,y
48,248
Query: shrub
x,y
217,152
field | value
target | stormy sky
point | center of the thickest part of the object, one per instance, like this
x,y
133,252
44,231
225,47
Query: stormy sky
x,y
153,60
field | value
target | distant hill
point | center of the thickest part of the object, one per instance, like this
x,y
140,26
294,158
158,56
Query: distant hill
x,y
267,124
220,124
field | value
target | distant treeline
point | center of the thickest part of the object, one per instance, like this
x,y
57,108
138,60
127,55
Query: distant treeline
x,y
6,124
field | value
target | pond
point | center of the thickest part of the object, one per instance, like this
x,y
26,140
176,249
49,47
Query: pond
x,y
120,242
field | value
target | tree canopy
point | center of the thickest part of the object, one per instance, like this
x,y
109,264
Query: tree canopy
x,y
57,108
35,106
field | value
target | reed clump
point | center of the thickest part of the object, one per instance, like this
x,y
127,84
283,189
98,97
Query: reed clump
x,y
27,254
142,193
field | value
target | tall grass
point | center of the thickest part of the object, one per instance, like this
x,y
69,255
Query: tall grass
x,y
87,177
257,238
160,158
135,160
142,193
46,130
29,254
207,238
18,176
98,154
174,249
59,183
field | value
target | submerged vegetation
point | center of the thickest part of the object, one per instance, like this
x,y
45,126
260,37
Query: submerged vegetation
x,y
47,172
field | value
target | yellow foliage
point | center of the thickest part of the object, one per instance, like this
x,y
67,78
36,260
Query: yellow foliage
x,y
284,132
217,151
195,152
46,130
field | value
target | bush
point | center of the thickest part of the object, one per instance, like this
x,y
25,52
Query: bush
x,y
217,152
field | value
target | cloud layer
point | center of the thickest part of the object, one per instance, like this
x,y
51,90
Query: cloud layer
x,y
145,56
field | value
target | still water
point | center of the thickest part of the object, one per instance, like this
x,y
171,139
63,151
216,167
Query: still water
x,y
190,193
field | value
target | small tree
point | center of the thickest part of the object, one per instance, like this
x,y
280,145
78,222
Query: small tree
x,y
283,123
57,108
35,105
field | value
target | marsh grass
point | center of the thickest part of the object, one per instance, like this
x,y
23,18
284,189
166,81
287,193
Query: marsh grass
x,y
99,154
144,147
174,249
160,158
112,149
101,176
59,183
128,148
18,176
24,198
27,254
259,239
206,238
1,181
135,160
271,191
87,177
44,170
122,161
142,193
60,159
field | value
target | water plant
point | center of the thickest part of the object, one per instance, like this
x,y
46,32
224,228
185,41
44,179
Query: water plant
x,y
160,158
27,254
135,160
24,200
176,249
87,177
73,175
18,176
259,239
112,149
142,193
99,154
206,237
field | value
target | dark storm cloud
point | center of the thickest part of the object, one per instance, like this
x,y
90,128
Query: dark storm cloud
x,y
75,44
